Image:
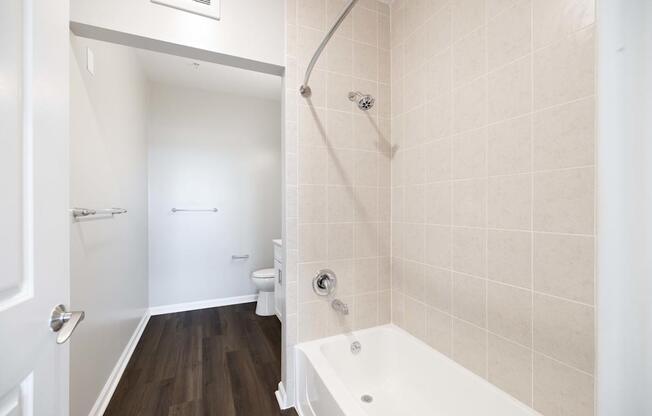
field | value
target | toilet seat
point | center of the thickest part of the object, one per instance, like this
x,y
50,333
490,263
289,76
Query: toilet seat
x,y
264,274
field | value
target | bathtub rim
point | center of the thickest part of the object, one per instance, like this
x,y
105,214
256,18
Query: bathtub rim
x,y
314,355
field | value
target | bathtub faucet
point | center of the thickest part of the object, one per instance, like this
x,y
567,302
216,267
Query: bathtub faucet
x,y
340,306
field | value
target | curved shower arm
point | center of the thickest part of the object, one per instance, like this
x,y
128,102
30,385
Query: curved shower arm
x,y
305,88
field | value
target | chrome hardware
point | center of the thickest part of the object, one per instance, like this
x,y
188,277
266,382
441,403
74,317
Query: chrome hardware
x,y
68,321
356,347
305,88
280,276
365,101
324,283
194,210
340,306
240,257
85,212
367,398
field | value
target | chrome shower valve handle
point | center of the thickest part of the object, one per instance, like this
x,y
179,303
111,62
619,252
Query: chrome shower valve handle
x,y
324,283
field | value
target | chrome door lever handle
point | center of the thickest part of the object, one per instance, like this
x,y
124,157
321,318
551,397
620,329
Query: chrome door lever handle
x,y
64,321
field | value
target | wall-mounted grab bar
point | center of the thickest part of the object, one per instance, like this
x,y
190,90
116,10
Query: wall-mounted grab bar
x,y
85,212
194,210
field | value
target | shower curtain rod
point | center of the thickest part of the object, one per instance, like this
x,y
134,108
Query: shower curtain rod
x,y
305,88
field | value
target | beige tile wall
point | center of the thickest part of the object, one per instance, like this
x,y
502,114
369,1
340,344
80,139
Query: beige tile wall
x,y
493,190
491,118
337,168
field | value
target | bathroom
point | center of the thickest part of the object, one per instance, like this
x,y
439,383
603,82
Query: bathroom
x,y
326,207
191,150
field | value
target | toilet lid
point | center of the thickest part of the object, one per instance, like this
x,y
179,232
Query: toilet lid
x,y
264,273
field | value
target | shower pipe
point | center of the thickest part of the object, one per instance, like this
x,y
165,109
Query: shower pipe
x,y
305,88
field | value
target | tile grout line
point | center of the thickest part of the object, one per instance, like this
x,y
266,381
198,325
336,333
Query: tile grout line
x,y
510,230
391,171
596,130
531,140
378,236
452,205
486,196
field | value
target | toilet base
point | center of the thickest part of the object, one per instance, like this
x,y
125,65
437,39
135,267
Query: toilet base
x,y
265,305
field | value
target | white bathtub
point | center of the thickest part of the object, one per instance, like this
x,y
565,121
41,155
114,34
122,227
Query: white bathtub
x,y
402,374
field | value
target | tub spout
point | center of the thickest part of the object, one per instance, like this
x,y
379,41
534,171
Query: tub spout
x,y
340,306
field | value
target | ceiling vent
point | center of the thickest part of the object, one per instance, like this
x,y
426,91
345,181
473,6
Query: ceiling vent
x,y
206,8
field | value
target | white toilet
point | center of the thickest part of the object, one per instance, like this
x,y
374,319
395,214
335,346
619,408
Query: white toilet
x,y
264,281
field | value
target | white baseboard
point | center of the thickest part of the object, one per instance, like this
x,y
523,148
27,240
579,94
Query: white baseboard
x,y
202,304
281,397
114,378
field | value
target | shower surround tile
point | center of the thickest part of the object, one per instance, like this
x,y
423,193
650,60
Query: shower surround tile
x,y
461,207
561,390
509,257
510,368
564,266
493,112
509,34
509,312
341,167
565,71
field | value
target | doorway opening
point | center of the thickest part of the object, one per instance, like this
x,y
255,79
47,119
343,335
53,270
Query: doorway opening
x,y
176,179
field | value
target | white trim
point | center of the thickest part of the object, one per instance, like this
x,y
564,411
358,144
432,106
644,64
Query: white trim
x,y
114,378
281,397
202,304
298,408
141,42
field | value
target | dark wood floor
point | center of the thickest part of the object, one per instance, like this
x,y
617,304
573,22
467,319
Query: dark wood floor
x,y
220,361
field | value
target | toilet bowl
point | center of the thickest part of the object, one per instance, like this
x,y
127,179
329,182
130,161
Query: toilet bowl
x,y
264,281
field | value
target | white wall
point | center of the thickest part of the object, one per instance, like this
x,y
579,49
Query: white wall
x,y
625,208
252,29
208,150
108,152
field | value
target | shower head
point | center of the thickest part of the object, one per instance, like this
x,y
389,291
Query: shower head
x,y
365,101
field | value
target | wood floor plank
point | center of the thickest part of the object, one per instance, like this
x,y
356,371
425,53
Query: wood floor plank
x,y
187,386
155,400
244,386
195,408
216,390
219,361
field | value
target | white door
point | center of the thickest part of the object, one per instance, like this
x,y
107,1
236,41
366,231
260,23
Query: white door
x,y
33,204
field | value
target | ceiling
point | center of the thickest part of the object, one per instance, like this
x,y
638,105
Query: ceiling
x,y
188,73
